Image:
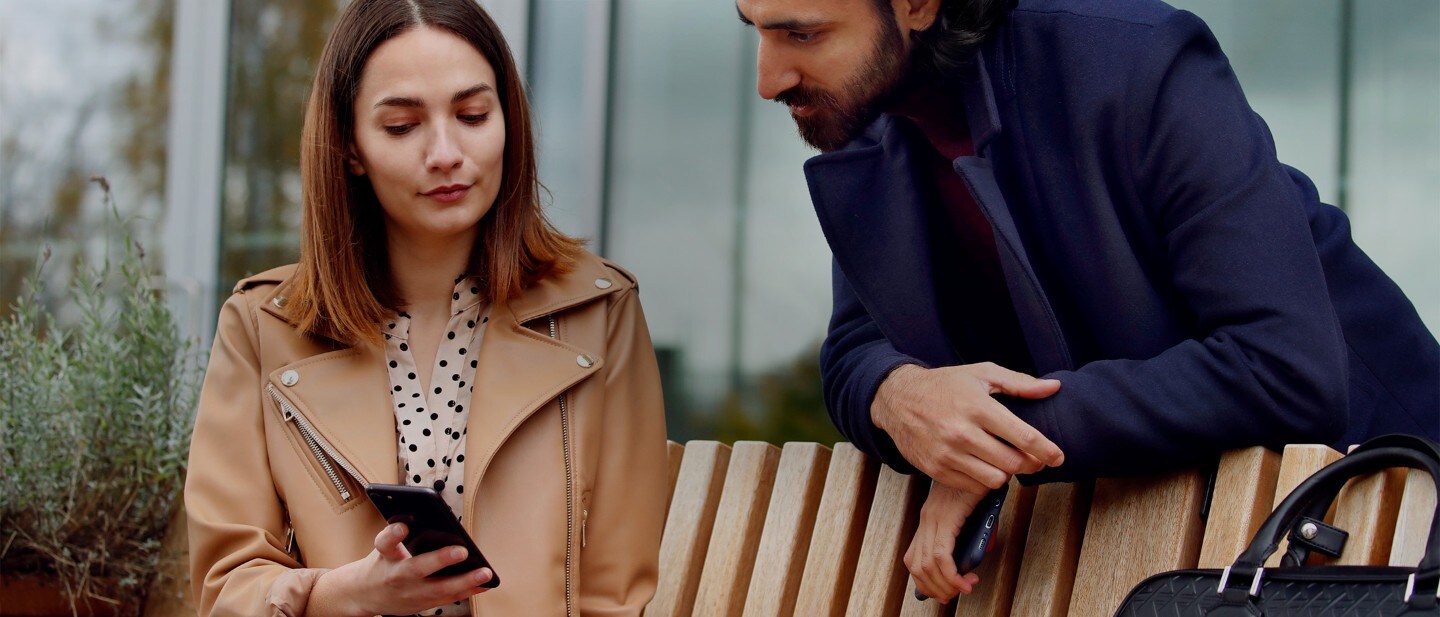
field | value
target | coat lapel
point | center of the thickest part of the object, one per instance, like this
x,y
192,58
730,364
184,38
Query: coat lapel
x,y
875,221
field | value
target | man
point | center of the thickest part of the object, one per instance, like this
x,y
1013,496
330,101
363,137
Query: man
x,y
1074,189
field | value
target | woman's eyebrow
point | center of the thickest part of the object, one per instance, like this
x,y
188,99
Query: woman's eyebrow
x,y
471,91
406,101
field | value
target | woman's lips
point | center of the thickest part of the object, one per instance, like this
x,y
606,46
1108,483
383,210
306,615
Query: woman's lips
x,y
448,194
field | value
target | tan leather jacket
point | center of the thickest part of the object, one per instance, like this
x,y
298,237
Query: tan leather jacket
x,y
566,453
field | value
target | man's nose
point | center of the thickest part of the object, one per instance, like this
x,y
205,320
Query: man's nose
x,y
774,74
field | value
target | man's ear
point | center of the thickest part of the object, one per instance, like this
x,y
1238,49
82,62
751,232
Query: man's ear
x,y
352,162
916,15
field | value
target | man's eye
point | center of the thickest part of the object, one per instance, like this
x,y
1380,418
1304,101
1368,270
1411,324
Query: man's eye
x,y
803,37
399,129
473,118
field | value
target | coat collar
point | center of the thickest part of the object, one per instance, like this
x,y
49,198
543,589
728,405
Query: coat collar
x,y
345,393
876,222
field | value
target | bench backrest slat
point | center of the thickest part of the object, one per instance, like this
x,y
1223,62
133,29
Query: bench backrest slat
x,y
1052,550
789,522
739,519
1244,489
688,527
1297,463
676,453
1367,508
1137,527
880,574
839,530
1413,524
1000,571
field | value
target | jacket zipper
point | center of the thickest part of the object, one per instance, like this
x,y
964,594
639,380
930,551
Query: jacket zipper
x,y
321,450
569,489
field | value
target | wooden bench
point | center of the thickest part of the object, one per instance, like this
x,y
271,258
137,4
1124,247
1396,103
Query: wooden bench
x,y
761,531
804,530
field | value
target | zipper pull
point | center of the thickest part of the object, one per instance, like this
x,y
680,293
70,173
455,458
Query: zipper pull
x,y
584,521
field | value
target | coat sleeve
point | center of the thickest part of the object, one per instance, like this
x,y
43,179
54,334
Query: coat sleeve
x,y
1267,364
238,562
619,567
854,359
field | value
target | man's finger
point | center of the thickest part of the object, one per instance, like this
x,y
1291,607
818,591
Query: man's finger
x,y
1006,425
1005,381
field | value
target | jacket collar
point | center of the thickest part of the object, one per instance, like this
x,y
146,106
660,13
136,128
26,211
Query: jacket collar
x,y
345,393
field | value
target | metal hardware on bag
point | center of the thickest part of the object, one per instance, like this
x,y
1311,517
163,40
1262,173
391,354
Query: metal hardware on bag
x,y
1309,530
1254,584
1410,588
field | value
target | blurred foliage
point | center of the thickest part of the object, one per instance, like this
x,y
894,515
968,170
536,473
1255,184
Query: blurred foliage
x,y
95,423
787,406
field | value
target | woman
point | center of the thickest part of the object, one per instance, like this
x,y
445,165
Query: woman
x,y
431,298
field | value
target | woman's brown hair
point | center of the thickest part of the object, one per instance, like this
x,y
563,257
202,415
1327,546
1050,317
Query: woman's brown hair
x,y
342,287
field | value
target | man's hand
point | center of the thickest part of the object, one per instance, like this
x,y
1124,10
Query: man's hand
x,y
946,424
931,558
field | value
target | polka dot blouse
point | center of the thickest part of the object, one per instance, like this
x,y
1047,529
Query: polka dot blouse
x,y
430,418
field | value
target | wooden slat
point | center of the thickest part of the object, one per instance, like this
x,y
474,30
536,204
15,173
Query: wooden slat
x,y
676,453
738,522
880,574
1367,508
1413,525
839,531
1052,550
688,527
912,607
1297,463
1137,527
1244,492
1000,570
785,542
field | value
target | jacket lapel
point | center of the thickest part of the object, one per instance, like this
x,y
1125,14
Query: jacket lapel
x,y
875,221
519,372
345,394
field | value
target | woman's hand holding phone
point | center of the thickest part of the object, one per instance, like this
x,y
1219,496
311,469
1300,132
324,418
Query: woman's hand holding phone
x,y
930,557
391,581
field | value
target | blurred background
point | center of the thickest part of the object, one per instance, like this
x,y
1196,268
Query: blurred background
x,y
654,146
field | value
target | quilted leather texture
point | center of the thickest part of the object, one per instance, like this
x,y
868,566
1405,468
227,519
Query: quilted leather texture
x,y
1189,594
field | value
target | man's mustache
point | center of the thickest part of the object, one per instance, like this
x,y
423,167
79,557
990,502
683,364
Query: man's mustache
x,y
800,95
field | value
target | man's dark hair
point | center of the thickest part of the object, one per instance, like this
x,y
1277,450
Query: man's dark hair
x,y
960,26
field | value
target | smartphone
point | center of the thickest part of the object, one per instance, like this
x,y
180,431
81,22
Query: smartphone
x,y
978,530
432,526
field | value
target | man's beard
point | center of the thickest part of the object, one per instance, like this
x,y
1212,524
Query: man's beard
x,y
838,119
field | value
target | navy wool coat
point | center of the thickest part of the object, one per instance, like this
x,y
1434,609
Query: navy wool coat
x,y
1190,292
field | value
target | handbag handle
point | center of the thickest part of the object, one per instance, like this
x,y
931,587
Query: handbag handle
x,y
1321,488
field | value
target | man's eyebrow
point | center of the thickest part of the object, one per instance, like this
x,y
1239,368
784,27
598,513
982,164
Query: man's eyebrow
x,y
784,24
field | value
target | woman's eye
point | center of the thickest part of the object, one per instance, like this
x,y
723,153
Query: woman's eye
x,y
473,118
398,129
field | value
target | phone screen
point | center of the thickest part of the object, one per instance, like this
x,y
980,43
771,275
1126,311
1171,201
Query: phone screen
x,y
432,526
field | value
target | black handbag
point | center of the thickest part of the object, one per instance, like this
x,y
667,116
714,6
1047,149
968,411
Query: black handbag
x,y
1248,589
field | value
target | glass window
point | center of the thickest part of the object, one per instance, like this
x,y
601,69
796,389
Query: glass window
x,y
274,45
85,93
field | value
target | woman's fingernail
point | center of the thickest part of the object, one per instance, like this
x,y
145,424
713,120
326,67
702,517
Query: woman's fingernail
x,y
482,575
457,553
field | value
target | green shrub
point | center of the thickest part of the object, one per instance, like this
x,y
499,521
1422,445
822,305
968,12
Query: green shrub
x,y
95,422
